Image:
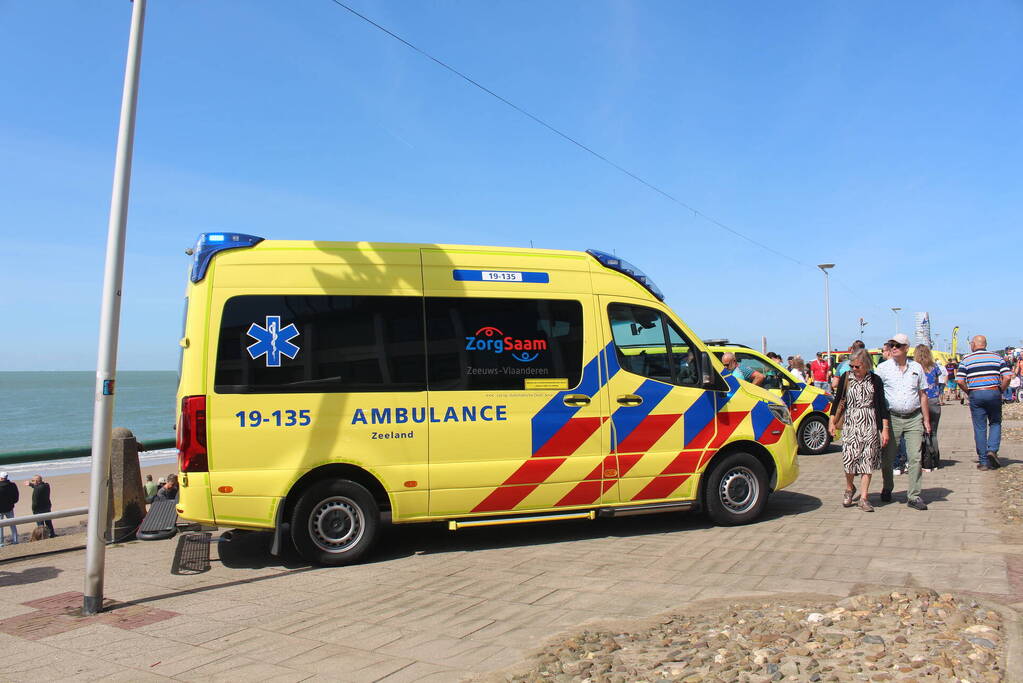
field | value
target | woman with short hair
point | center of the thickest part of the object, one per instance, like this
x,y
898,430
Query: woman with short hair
x,y
860,402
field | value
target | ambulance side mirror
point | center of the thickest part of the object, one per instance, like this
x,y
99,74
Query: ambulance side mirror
x,y
708,378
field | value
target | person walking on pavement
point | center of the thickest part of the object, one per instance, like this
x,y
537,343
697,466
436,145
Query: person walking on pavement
x,y
843,367
819,369
933,372
983,375
905,389
41,501
9,496
861,406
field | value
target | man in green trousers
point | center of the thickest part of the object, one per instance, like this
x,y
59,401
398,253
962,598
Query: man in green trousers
x,y
905,389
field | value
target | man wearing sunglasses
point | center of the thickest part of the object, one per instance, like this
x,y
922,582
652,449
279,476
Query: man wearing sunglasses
x,y
905,389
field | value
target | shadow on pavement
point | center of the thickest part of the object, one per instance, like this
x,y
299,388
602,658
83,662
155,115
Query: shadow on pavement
x,y
30,575
251,550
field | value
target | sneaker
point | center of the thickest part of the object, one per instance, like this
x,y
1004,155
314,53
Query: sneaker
x,y
917,504
992,459
886,496
847,499
865,506
984,468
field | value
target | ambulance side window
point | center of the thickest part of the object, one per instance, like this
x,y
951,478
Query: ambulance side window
x,y
650,345
497,344
772,377
337,344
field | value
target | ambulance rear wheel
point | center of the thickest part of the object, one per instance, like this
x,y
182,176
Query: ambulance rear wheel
x,y
335,522
813,435
736,490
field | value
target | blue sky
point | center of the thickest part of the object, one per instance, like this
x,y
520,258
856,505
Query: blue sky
x,y
885,138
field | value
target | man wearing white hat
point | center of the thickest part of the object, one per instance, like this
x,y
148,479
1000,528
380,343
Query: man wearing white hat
x,y
8,497
905,389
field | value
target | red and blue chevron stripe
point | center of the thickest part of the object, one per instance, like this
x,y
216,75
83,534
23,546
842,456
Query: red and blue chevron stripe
x,y
556,434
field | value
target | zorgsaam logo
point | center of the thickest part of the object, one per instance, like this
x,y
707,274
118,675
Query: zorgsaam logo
x,y
494,340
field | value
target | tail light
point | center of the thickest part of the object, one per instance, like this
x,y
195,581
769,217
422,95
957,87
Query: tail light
x,y
192,435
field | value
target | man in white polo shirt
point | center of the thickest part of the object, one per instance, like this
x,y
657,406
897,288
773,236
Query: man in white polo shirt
x,y
905,389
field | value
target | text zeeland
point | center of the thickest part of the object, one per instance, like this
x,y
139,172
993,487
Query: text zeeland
x,y
386,416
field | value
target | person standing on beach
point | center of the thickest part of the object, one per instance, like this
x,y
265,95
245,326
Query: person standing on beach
x,y
9,496
41,501
150,487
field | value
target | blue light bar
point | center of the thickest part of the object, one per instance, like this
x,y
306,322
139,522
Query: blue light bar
x,y
212,242
622,266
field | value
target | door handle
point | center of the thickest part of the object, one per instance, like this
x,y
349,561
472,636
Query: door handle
x,y
630,400
576,400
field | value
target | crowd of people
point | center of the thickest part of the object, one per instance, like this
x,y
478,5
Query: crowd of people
x,y
889,415
165,488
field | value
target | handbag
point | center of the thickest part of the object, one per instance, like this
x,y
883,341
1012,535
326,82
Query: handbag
x,y
928,458
840,412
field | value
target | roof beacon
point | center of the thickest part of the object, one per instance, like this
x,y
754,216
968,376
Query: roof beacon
x,y
622,266
211,242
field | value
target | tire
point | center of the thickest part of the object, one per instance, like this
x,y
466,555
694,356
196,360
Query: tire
x,y
813,435
736,490
335,522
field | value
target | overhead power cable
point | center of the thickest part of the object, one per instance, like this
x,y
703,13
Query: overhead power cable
x,y
568,138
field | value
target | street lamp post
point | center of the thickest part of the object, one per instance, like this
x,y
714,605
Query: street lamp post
x,y
895,310
109,324
827,310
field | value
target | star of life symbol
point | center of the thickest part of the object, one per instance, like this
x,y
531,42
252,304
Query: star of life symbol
x,y
272,341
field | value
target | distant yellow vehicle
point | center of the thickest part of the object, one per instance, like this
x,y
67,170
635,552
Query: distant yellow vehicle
x,y
326,386
809,405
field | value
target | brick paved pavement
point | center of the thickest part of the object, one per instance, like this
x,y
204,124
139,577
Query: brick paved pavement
x,y
439,605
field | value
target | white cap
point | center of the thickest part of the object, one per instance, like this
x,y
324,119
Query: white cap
x,y
3,475
900,339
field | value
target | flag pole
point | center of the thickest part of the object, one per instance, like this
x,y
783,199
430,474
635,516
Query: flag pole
x,y
109,324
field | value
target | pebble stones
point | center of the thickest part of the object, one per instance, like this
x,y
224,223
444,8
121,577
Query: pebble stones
x,y
914,635
1010,478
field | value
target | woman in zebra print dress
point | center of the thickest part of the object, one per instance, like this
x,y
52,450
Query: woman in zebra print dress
x,y
860,400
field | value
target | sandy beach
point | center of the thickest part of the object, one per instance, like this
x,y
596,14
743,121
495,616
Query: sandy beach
x,y
68,491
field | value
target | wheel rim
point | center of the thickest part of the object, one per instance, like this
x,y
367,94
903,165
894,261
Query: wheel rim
x,y
739,490
815,435
336,524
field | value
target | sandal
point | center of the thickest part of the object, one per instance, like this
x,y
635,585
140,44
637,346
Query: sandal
x,y
864,505
847,500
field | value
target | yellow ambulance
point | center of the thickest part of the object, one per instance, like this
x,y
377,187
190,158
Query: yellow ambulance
x,y
808,405
327,386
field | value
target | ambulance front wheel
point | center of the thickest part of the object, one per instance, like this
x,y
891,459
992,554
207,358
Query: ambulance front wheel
x,y
736,490
335,522
814,438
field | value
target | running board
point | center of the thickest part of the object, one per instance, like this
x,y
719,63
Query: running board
x,y
455,524
647,509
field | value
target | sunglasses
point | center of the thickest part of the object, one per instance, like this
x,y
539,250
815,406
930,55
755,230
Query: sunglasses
x,y
857,366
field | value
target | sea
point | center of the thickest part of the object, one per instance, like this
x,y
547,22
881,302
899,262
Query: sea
x,y
41,410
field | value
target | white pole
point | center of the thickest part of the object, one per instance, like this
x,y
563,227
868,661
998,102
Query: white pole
x,y
827,316
109,324
827,312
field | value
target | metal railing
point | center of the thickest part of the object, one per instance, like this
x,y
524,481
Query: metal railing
x,y
43,516
45,454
